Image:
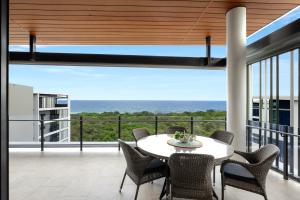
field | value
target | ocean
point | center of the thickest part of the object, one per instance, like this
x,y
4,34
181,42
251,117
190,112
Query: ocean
x,y
131,106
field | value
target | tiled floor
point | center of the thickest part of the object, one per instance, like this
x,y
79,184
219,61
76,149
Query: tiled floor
x,y
95,174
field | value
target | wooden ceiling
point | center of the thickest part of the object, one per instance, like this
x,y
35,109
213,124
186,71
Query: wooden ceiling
x,y
145,22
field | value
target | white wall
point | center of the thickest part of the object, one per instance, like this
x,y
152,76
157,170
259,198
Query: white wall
x,y
20,108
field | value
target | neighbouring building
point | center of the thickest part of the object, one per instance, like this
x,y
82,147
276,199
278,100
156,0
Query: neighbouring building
x,y
26,105
285,112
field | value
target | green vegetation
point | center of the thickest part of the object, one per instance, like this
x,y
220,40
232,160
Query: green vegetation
x,y
104,126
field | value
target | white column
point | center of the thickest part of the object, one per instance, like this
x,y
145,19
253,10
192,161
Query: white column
x,y
236,75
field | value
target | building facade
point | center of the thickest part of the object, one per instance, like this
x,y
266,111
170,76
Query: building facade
x,y
32,107
21,108
52,107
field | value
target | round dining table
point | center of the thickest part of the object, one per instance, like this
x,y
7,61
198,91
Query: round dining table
x,y
157,146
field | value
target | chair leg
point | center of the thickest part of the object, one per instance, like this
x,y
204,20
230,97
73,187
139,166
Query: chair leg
x,y
163,192
122,182
137,191
214,176
215,195
168,186
222,192
265,196
169,196
222,183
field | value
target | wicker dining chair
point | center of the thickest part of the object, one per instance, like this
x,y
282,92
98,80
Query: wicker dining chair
x,y
190,176
141,168
249,176
223,136
139,133
173,129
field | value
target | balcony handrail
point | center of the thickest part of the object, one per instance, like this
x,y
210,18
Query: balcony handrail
x,y
116,120
274,131
285,144
119,120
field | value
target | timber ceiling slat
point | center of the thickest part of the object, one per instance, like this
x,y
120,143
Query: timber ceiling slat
x,y
124,25
153,3
49,30
91,27
133,18
217,8
145,12
148,2
261,1
122,21
134,21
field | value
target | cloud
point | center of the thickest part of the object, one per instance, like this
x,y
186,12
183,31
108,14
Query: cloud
x,y
87,73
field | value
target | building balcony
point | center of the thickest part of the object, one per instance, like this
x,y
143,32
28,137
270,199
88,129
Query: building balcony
x,y
63,171
96,173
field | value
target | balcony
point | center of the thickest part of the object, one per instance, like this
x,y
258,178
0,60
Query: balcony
x,y
96,173
57,172
93,169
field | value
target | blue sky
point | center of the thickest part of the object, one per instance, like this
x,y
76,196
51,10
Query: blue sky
x,y
104,83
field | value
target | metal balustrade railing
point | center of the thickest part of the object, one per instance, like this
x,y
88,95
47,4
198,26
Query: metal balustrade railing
x,y
119,120
258,134
285,137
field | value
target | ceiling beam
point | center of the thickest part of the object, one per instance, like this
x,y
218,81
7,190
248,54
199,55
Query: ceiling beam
x,y
104,60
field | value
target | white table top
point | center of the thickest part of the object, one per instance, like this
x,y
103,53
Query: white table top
x,y
157,146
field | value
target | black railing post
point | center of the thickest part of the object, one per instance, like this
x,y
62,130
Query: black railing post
x,y
290,130
192,125
270,140
265,133
119,131
259,134
286,155
42,128
81,132
291,155
277,144
156,124
249,137
225,123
